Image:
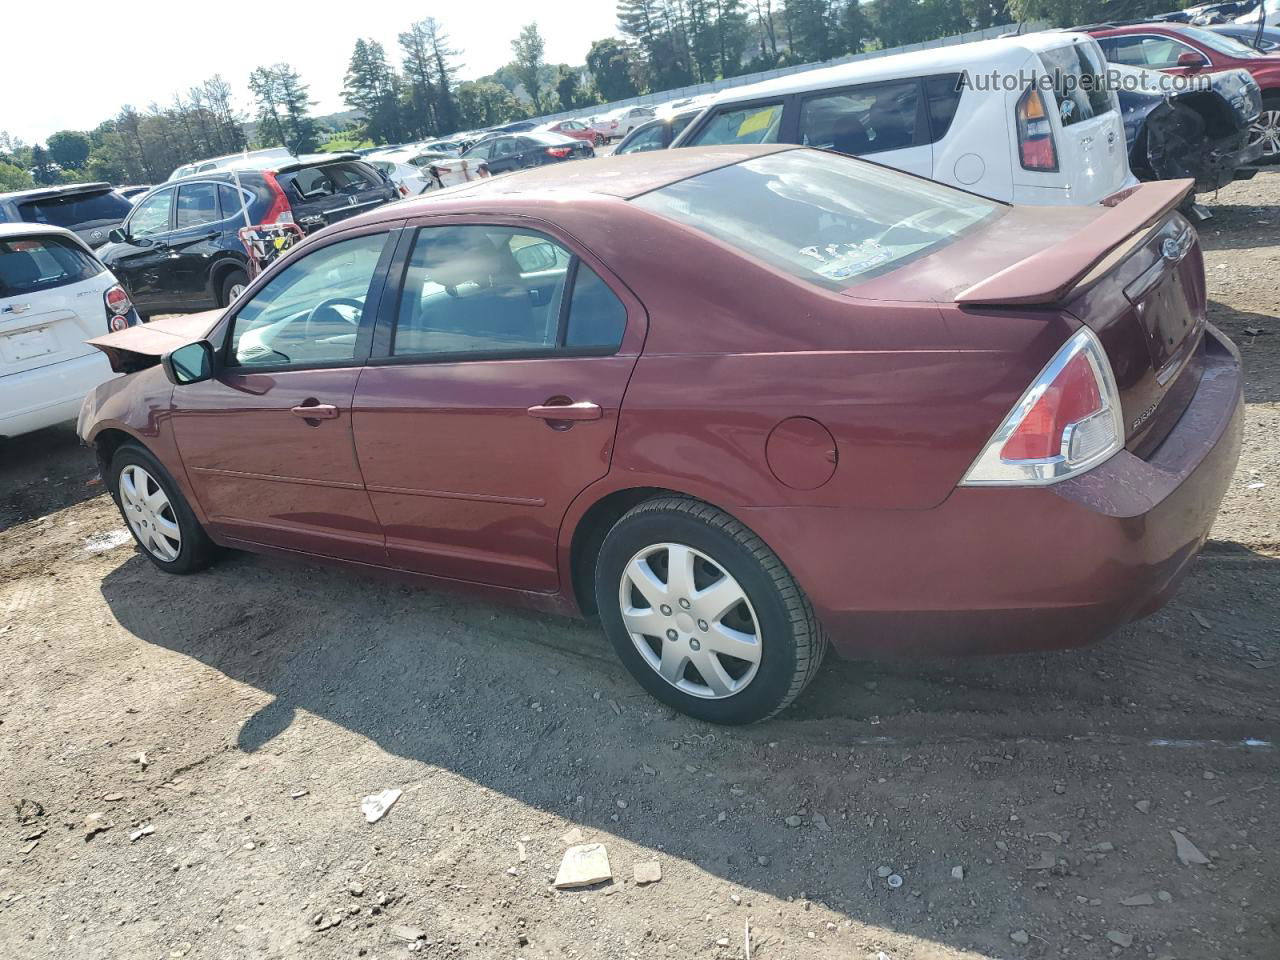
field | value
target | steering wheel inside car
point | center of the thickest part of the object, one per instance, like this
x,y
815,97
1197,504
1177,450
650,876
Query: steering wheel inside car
x,y
324,312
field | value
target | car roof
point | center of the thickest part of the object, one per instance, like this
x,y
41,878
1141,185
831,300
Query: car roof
x,y
1003,52
57,190
24,229
621,177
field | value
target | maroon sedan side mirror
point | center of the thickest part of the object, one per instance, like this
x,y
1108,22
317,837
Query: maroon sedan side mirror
x,y
188,364
1190,60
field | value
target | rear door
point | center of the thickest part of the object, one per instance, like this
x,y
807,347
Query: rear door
x,y
888,121
1092,157
195,240
497,329
50,302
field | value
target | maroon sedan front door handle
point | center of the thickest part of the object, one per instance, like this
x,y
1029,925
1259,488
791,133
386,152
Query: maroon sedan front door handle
x,y
566,411
316,411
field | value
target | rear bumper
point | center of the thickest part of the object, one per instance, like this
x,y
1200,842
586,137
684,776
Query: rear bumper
x,y
996,570
1224,158
42,397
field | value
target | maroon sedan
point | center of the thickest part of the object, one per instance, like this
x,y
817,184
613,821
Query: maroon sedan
x,y
1182,49
735,401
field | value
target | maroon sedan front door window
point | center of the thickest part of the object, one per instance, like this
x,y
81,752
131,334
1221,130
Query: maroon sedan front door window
x,y
467,463
267,443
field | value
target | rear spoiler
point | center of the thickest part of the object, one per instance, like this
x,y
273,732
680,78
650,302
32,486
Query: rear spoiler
x,y
142,346
70,190
1047,276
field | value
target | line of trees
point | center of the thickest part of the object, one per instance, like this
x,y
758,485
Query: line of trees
x,y
413,92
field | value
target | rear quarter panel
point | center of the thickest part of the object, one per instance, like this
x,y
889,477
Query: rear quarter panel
x,y
908,390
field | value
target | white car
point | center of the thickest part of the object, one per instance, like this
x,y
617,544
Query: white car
x,y
979,116
54,295
231,159
616,124
409,180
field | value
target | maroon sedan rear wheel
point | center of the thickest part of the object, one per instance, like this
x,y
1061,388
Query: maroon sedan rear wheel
x,y
704,614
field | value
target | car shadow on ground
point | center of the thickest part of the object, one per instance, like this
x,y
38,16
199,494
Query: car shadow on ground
x,y
43,472
538,709
1257,336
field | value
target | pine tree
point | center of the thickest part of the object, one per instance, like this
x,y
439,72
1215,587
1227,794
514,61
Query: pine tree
x,y
529,49
372,87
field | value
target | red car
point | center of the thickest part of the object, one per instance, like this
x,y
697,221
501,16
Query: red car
x,y
574,128
734,400
1185,49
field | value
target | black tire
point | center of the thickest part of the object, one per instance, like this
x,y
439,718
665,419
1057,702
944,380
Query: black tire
x,y
195,550
792,641
233,279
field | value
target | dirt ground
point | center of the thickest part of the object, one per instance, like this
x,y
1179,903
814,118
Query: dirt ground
x,y
240,716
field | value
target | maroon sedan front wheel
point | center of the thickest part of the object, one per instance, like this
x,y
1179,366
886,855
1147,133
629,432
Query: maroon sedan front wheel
x,y
704,614
156,513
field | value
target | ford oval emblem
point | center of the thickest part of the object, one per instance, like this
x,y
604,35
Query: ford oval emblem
x,y
1175,248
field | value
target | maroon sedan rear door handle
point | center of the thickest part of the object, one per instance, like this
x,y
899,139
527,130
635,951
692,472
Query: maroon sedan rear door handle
x,y
566,411
316,411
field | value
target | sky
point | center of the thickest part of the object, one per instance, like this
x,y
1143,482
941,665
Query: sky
x,y
76,62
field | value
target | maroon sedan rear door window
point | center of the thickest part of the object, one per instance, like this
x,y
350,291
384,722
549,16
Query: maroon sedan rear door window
x,y
501,290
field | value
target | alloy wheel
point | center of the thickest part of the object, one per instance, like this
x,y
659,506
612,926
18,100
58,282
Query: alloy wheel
x,y
690,620
148,510
234,293
1266,129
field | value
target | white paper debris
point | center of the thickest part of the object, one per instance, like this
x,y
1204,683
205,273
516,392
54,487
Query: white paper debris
x,y
375,807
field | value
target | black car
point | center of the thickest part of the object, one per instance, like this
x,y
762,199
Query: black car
x,y
656,134
180,250
531,149
89,210
1203,133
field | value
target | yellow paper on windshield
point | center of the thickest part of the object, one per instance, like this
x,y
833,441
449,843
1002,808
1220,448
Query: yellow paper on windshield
x,y
756,121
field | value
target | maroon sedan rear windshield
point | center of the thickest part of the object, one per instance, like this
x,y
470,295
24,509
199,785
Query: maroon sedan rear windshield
x,y
825,218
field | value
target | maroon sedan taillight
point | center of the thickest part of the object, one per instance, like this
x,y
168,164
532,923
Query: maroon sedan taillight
x,y
1067,422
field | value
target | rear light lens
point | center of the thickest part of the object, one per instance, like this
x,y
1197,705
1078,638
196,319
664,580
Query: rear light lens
x,y
1036,148
559,152
279,211
118,307
1067,422
404,191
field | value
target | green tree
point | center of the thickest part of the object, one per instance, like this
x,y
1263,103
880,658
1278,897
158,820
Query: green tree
x,y
284,105
372,87
611,68
43,169
530,49
14,178
484,103
568,87
418,64
69,149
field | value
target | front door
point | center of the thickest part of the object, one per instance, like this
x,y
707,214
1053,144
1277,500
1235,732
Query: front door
x,y
267,443
491,400
142,263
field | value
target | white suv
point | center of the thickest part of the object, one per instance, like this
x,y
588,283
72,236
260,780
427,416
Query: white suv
x,y
981,116
54,295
